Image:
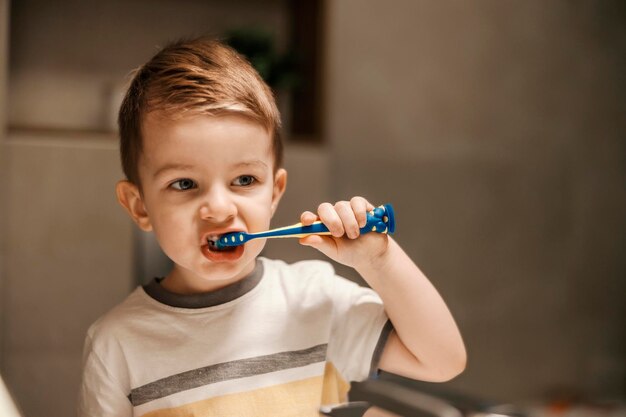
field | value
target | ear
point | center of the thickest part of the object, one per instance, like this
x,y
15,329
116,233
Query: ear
x,y
130,198
280,184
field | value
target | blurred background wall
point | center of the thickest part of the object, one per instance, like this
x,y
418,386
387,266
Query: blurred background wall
x,y
496,128
498,131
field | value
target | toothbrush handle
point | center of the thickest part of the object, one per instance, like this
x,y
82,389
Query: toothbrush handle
x,y
379,220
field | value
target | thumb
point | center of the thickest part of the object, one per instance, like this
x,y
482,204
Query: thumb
x,y
324,244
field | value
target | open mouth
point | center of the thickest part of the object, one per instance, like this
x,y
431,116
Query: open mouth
x,y
212,242
213,253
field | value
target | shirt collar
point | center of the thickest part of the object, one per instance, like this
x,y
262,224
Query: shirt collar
x,y
229,293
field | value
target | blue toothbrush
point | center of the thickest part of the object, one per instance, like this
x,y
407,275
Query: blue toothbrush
x,y
380,220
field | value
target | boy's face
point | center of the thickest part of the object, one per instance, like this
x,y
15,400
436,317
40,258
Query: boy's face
x,y
201,177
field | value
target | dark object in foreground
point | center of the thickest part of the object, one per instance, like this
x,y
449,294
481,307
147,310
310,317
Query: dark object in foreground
x,y
392,397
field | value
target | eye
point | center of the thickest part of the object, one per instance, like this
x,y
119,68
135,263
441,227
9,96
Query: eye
x,y
244,180
183,184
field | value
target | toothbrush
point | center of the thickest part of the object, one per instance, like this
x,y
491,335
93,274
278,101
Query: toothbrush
x,y
379,220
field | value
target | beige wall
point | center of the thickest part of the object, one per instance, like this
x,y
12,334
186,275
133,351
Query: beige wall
x,y
4,40
493,127
68,259
70,59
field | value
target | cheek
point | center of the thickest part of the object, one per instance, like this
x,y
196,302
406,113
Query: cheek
x,y
171,223
262,215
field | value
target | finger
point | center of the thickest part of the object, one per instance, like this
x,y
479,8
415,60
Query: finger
x,y
360,206
348,218
328,215
308,218
324,244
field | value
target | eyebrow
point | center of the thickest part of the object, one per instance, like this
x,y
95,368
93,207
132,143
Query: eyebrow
x,y
183,167
245,164
172,167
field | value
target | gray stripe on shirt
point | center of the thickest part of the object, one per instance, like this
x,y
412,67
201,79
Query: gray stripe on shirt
x,y
226,371
380,346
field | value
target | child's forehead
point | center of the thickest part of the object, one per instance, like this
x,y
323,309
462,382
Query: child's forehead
x,y
172,119
225,129
231,137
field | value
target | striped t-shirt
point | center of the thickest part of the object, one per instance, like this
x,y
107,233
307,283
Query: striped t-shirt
x,y
281,342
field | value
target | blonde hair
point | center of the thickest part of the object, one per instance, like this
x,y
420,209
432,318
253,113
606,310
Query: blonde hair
x,y
193,77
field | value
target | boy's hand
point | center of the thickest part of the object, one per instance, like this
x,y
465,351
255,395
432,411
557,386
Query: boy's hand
x,y
344,220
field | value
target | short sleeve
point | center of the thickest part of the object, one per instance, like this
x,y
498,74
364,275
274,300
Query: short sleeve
x,y
359,331
101,393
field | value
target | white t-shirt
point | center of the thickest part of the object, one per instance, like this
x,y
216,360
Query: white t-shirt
x,y
281,342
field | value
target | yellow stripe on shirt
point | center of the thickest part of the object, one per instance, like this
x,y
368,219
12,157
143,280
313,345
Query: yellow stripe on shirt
x,y
298,398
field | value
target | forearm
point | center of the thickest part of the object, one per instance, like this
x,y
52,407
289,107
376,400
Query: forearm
x,y
427,342
419,315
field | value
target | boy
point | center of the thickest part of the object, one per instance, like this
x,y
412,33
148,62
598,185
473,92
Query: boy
x,y
226,333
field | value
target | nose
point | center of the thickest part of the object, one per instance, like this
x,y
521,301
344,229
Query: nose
x,y
218,205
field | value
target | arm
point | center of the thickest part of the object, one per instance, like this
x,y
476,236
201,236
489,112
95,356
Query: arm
x,y
426,343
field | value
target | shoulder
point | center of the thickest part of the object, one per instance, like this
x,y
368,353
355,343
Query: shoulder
x,y
120,320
